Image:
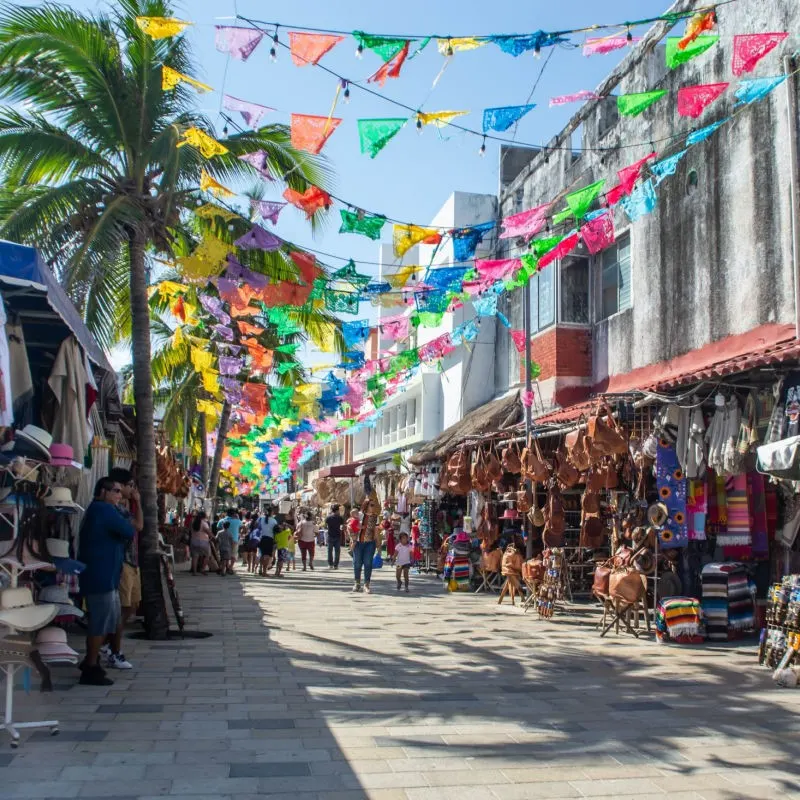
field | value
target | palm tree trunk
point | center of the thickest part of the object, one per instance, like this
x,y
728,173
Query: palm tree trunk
x,y
155,612
203,451
216,464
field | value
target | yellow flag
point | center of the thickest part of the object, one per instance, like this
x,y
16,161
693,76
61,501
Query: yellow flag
x,y
207,145
202,360
439,118
210,408
449,46
324,336
162,27
178,339
208,258
404,237
208,184
400,278
210,381
171,288
170,78
211,210
308,392
388,300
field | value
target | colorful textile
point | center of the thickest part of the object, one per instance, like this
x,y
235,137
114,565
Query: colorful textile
x,y
522,43
696,510
704,133
526,223
671,484
349,274
749,49
518,337
310,132
258,160
466,240
694,100
368,225
449,46
308,48
667,166
677,55
631,105
594,46
310,201
404,237
268,209
384,46
503,117
161,27
439,118
641,201
699,23
598,233
738,533
252,113
579,202
396,328
679,619
257,238
391,69
757,89
374,134
496,269
170,78
577,97
756,490
237,42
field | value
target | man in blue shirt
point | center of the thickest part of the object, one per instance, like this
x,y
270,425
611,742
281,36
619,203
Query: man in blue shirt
x,y
104,534
233,529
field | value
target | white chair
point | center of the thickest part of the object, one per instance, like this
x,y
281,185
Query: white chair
x,y
167,549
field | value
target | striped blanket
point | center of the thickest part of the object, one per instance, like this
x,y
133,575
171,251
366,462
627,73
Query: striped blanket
x,y
679,619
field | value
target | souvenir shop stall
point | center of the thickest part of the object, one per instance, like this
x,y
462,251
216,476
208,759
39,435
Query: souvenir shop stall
x,y
59,423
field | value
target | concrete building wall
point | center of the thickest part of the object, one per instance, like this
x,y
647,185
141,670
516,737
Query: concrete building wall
x,y
714,258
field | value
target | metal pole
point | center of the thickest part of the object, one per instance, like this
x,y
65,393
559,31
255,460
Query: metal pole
x,y
794,181
526,324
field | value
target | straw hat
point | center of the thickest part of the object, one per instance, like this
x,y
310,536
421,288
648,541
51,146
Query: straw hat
x,y
18,611
59,552
62,455
657,515
61,497
59,595
33,442
29,560
52,645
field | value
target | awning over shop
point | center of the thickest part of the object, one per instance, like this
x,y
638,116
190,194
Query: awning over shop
x,y
489,418
340,470
32,291
764,346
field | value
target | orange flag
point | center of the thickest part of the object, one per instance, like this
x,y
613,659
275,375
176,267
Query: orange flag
x,y
310,201
391,69
306,264
249,330
310,133
308,48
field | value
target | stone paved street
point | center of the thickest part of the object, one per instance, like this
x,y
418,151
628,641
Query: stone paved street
x,y
307,691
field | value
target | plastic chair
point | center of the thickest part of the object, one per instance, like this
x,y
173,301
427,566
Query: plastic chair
x,y
167,549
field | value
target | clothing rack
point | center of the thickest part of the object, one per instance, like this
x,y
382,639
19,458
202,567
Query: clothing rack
x,y
10,670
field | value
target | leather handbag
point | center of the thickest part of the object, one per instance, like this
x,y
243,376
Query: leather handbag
x,y
534,467
524,500
590,503
491,561
512,561
533,570
511,459
600,582
626,586
480,478
606,434
623,557
566,473
610,475
494,469
458,468
554,522
576,447
593,533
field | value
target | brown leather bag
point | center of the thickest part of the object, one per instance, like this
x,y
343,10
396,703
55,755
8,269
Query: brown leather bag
x,y
512,562
576,448
458,469
511,459
534,467
623,557
595,480
480,479
606,434
524,501
590,502
593,533
567,475
600,583
533,570
610,474
494,469
626,586
554,522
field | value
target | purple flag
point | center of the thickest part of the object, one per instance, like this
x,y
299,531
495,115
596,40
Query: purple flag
x,y
258,160
259,239
230,366
238,272
237,42
214,307
226,286
269,209
231,348
224,332
252,113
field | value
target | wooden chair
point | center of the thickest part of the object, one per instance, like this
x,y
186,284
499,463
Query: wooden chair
x,y
511,588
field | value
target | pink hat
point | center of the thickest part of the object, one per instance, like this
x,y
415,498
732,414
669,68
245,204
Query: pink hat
x,y
61,455
510,513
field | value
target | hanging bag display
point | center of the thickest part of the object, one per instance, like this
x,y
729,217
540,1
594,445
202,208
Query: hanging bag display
x,y
494,469
480,478
534,466
626,586
511,459
575,442
606,434
567,475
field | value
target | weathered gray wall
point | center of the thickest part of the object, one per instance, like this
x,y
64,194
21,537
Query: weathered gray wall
x,y
711,260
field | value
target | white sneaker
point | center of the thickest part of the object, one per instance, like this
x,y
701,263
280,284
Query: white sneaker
x,y
105,651
118,661
367,589
356,587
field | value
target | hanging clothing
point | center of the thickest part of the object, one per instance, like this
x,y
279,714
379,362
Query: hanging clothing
x,y
6,395
20,373
68,382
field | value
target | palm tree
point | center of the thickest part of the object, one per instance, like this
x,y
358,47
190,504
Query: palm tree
x,y
93,177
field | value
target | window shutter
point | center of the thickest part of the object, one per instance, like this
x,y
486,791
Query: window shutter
x,y
625,299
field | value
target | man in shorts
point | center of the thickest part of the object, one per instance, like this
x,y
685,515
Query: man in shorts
x,y
234,527
266,547
104,534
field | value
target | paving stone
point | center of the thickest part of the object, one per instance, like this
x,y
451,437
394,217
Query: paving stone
x,y
261,724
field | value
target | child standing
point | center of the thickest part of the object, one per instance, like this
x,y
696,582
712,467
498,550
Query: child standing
x,y
225,543
283,538
402,560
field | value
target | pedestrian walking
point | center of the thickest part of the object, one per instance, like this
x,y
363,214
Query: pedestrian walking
x,y
283,537
365,538
306,538
200,544
227,548
402,560
333,524
266,545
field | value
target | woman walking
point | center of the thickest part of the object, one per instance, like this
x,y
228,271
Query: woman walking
x,y
200,544
306,537
365,540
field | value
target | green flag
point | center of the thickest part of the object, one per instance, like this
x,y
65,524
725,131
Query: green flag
x,y
359,222
349,274
542,246
630,105
530,266
375,134
427,319
288,348
341,302
387,47
562,215
581,201
676,57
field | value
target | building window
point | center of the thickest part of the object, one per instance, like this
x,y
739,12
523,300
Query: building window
x,y
519,200
543,305
574,290
615,265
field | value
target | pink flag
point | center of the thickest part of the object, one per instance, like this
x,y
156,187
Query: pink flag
x,y
563,248
237,42
749,49
497,270
476,287
526,223
396,327
630,174
606,44
693,100
598,233
584,94
252,113
519,340
258,160
268,209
